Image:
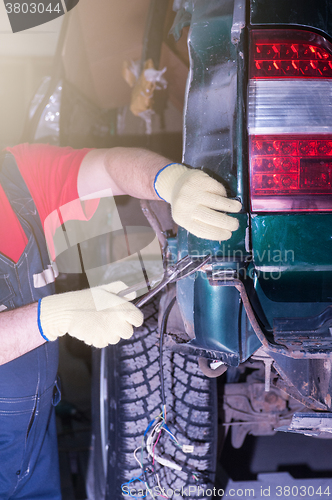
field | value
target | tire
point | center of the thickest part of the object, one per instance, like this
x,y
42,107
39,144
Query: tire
x,y
98,456
134,397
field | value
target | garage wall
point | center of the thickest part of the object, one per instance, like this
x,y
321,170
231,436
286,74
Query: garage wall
x,y
25,58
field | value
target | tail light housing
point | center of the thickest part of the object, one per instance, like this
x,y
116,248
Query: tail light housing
x,y
290,121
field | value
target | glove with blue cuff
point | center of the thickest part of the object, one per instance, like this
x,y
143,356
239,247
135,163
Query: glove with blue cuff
x,y
98,316
198,202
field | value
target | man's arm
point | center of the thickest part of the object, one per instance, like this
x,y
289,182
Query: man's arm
x,y
198,202
120,171
98,316
19,332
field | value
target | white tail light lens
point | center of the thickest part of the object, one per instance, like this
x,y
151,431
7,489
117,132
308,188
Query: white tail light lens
x,y
290,121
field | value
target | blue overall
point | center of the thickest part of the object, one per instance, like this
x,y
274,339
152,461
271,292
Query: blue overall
x,y
29,466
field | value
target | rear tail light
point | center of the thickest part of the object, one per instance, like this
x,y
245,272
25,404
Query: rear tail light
x,y
290,121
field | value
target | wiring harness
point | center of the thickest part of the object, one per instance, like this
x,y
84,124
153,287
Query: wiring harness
x,y
152,434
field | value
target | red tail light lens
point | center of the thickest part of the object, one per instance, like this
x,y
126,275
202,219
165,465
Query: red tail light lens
x,y
288,165
290,121
290,54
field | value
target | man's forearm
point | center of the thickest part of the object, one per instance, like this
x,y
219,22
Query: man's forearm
x,y
129,171
19,332
134,170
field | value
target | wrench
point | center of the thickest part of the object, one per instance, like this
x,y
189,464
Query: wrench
x,y
182,269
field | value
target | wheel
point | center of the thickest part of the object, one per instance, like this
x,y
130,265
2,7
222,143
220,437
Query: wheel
x,y
134,399
98,457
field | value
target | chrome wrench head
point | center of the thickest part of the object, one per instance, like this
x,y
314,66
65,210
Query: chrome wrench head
x,y
182,269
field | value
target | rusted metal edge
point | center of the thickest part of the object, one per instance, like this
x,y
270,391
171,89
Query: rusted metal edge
x,y
279,349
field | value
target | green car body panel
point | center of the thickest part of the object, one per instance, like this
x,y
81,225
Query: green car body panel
x,y
284,259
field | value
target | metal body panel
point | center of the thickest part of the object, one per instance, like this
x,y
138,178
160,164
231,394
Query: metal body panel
x,y
213,134
286,273
269,310
292,256
310,377
292,252
220,321
295,12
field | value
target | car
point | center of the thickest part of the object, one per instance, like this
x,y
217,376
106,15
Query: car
x,y
256,118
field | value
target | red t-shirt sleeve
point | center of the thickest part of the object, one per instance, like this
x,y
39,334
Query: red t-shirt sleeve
x,y
50,173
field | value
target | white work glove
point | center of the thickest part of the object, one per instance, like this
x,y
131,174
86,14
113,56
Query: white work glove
x,y
95,315
196,201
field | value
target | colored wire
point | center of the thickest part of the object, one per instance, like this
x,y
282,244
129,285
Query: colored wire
x,y
139,463
138,478
154,429
154,446
172,437
162,461
158,481
149,490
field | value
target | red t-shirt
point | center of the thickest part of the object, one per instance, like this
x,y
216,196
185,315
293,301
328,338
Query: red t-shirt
x,y
50,174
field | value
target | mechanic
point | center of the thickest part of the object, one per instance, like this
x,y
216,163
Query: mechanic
x,y
35,180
